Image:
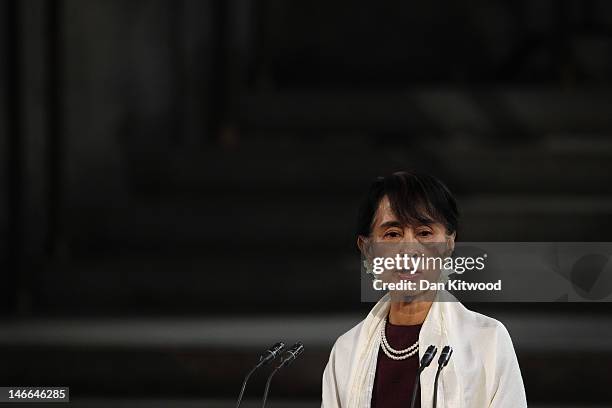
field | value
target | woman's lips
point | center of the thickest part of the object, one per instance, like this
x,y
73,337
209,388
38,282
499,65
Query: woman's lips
x,y
407,274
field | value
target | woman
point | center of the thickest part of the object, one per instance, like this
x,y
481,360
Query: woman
x,y
375,363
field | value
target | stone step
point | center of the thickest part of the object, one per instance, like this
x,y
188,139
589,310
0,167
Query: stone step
x,y
331,166
102,402
207,358
319,224
494,111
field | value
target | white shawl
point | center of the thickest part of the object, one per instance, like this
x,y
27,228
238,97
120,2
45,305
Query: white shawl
x,y
483,371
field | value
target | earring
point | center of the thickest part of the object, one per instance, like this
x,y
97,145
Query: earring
x,y
366,266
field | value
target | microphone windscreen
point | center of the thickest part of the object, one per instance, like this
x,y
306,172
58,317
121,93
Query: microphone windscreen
x,y
445,356
271,353
293,353
428,356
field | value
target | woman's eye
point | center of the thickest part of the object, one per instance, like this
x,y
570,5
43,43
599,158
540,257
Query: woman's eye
x,y
392,234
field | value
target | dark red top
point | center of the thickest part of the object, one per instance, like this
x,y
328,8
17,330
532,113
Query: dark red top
x,y
394,381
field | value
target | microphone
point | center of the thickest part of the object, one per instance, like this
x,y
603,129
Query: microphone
x,y
271,353
445,356
267,356
288,358
292,354
427,358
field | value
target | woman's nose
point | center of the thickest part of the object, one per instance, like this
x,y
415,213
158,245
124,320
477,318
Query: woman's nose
x,y
410,237
410,244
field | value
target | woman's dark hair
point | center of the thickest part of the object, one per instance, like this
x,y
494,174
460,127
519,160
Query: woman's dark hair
x,y
414,198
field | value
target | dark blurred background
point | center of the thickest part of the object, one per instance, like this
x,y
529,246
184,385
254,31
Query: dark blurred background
x,y
146,143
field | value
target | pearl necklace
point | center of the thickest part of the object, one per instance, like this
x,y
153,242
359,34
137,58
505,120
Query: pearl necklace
x,y
391,352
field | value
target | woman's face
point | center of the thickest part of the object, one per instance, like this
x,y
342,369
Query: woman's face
x,y
390,238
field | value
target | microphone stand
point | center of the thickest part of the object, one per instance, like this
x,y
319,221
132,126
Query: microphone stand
x,y
265,395
244,383
425,361
290,356
263,359
435,398
445,356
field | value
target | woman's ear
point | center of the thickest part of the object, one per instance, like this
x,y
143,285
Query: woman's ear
x,y
361,244
450,242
